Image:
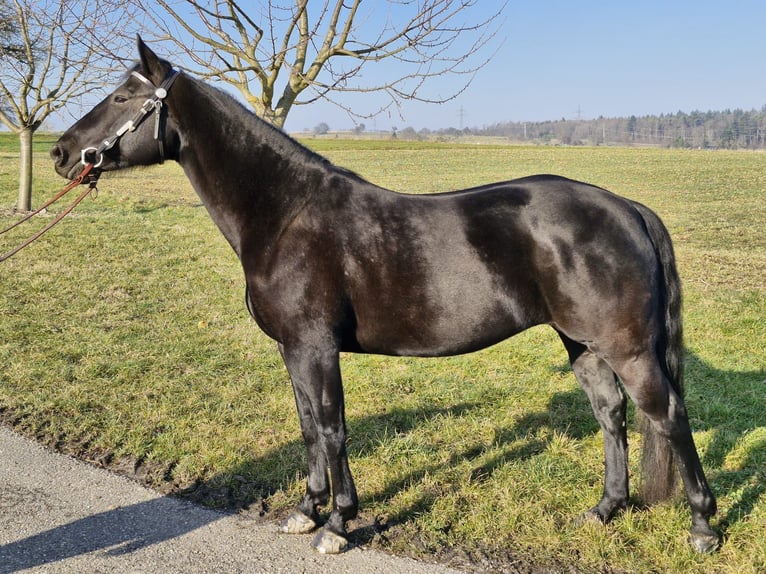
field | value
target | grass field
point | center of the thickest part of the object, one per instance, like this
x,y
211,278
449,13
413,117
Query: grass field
x,y
124,339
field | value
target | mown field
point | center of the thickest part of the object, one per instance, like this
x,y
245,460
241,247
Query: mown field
x,y
124,339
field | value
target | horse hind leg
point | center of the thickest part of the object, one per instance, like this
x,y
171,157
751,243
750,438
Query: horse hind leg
x,y
668,428
609,407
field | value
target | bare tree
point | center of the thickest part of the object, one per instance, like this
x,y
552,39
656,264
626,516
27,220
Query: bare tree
x,y
48,58
277,50
10,43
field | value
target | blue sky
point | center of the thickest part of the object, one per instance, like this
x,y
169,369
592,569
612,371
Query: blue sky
x,y
564,58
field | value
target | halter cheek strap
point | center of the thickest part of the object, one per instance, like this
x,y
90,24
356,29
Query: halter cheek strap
x,y
153,103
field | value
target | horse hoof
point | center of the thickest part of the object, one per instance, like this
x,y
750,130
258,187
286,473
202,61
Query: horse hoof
x,y
704,542
327,542
591,516
297,523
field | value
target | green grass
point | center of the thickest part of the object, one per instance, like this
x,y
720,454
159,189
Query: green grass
x,y
124,339
42,142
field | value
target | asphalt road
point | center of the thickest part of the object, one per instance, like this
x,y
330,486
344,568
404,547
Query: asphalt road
x,y
60,515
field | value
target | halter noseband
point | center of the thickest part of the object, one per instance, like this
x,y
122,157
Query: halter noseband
x,y
153,103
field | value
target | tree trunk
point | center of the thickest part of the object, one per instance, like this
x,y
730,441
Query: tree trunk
x,y
275,117
24,202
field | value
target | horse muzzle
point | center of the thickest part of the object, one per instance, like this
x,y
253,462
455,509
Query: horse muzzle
x,y
60,156
66,166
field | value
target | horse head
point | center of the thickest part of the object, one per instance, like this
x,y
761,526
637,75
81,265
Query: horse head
x,y
129,127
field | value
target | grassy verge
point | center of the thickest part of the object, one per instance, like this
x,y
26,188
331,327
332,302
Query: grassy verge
x,y
124,339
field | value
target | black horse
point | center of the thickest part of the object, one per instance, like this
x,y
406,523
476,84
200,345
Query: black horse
x,y
334,263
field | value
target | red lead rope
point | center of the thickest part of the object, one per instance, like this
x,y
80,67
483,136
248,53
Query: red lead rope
x,y
74,183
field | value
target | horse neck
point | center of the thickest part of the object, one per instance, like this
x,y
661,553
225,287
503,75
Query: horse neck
x,y
251,177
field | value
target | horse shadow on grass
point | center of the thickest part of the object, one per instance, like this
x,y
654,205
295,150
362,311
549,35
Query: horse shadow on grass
x,y
566,413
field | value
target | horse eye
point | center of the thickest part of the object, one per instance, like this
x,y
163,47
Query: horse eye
x,y
120,99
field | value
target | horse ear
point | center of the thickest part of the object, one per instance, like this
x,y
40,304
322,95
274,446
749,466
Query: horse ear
x,y
154,68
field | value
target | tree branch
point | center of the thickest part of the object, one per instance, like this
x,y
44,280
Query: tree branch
x,y
308,44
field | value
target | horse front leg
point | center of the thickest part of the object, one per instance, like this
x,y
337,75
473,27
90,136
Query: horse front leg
x,y
316,379
305,518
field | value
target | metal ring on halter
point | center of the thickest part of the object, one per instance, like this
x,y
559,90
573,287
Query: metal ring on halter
x,y
83,161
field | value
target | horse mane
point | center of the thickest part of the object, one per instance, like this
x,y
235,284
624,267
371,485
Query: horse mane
x,y
250,122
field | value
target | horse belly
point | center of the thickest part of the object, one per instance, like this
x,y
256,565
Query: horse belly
x,y
453,307
436,332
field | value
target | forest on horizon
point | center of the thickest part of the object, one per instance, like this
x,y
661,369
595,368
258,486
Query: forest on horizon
x,y
728,129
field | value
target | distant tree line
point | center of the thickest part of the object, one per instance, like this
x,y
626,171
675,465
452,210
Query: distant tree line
x,y
730,129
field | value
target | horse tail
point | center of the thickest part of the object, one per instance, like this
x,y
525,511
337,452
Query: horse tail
x,y
659,475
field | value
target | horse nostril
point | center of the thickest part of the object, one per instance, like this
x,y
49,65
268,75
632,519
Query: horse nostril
x,y
58,155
